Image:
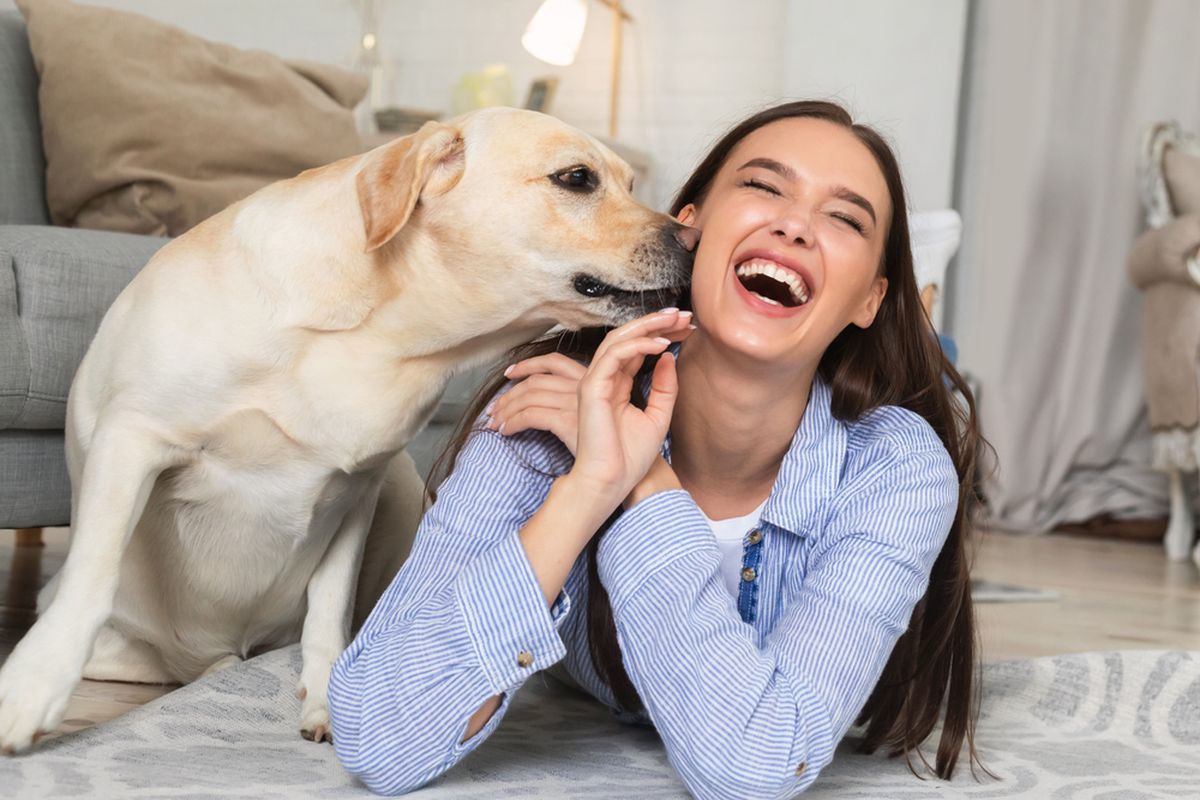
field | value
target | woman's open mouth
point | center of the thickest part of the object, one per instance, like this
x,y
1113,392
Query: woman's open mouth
x,y
770,287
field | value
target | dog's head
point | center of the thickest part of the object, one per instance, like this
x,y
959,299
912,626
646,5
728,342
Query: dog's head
x,y
529,218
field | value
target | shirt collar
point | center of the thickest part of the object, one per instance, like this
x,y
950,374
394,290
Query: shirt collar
x,y
811,468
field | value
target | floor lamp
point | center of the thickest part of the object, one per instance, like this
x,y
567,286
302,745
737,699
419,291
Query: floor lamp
x,y
554,33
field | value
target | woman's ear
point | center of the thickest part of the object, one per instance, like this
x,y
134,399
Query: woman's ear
x,y
687,214
870,307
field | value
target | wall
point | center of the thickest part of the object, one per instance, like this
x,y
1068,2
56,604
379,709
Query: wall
x,y
690,69
898,66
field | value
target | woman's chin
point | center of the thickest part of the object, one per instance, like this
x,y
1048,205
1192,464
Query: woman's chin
x,y
746,341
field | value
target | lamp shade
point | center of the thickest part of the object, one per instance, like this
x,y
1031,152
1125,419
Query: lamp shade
x,y
554,33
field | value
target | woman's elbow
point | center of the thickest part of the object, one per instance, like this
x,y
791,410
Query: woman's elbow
x,y
384,750
722,772
735,782
388,769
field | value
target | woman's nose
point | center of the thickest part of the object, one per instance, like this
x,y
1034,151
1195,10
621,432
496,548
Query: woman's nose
x,y
794,227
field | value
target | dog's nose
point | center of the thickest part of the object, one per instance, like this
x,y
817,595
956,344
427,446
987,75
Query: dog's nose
x,y
688,237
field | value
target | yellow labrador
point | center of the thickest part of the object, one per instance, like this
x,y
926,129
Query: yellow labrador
x,y
236,431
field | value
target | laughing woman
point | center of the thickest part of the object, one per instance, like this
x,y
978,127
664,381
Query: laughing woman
x,y
749,532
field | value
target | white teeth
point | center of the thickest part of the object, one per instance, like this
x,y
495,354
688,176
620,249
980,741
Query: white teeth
x,y
761,266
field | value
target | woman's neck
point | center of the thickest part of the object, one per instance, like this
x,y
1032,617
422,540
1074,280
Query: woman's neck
x,y
732,425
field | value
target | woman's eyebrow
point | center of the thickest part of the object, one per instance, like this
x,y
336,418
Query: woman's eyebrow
x,y
783,170
787,173
850,196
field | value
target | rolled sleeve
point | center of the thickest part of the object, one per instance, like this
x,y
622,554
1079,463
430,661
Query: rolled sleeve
x,y
453,628
506,615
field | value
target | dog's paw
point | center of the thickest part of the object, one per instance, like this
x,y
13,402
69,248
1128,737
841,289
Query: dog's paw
x,y
314,722
314,708
33,699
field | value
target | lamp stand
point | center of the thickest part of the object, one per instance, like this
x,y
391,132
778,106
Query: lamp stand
x,y
619,17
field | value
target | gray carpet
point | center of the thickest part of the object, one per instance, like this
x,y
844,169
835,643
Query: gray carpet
x,y
1118,726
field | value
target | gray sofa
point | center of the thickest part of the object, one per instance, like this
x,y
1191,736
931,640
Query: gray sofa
x,y
55,285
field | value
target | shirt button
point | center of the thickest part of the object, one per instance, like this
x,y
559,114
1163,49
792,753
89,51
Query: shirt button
x,y
524,658
754,538
748,574
800,769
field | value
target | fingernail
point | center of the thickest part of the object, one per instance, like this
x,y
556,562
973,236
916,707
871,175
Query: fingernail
x,y
667,310
685,313
489,408
501,428
661,340
690,325
508,369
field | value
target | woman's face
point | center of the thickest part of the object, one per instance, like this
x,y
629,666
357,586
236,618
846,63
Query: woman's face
x,y
793,230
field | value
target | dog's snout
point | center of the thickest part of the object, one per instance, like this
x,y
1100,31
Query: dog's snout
x,y
687,237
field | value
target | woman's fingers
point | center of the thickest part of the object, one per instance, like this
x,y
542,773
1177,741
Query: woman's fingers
x,y
565,402
657,324
542,387
563,426
552,363
664,388
624,358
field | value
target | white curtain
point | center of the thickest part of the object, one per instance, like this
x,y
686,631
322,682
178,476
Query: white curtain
x,y
1057,95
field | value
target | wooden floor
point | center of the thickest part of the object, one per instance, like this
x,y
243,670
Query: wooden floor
x,y
1114,596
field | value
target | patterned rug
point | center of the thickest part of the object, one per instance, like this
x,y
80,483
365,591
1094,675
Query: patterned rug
x,y
1117,726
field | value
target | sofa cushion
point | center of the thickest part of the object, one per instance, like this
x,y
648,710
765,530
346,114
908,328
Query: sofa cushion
x,y
149,129
55,285
22,167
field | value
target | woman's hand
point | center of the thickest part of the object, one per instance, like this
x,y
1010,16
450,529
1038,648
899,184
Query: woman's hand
x,y
546,396
617,441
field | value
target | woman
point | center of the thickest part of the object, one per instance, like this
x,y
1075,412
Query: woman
x,y
775,526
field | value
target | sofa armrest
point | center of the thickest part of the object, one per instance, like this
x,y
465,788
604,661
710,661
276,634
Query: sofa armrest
x,y
55,286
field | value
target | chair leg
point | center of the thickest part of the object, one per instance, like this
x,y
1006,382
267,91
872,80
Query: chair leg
x,y
1181,528
29,537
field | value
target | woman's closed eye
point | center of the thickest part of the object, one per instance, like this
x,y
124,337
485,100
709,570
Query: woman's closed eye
x,y
851,221
765,187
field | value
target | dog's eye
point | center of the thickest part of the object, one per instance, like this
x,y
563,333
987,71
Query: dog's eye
x,y
577,179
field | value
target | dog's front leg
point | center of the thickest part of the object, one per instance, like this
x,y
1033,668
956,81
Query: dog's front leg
x,y
37,679
326,632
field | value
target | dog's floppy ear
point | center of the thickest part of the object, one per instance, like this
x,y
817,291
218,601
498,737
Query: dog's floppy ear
x,y
396,175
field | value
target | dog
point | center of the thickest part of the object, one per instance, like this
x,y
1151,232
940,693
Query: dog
x,y
235,432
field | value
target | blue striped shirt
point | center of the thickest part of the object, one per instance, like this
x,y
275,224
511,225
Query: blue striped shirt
x,y
750,695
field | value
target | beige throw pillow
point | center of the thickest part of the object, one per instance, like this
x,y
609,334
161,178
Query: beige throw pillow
x,y
149,129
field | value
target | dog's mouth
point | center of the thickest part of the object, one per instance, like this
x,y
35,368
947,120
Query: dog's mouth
x,y
593,287
773,282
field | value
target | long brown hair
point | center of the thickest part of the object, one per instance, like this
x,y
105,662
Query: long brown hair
x,y
896,361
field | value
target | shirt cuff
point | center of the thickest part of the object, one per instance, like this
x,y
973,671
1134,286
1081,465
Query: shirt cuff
x,y
657,531
514,634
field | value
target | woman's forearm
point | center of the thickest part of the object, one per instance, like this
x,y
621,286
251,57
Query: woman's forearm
x,y
553,538
557,533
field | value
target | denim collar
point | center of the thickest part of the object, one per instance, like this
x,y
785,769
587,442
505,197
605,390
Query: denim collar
x,y
811,468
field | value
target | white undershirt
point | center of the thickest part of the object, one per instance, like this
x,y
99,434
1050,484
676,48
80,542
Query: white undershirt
x,y
730,535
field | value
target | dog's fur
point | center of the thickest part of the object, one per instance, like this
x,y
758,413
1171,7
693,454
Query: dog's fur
x,y
235,432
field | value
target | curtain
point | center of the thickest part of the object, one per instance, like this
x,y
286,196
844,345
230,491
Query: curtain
x,y
1056,96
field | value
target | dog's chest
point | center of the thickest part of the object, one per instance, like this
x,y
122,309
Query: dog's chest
x,y
250,469
353,406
